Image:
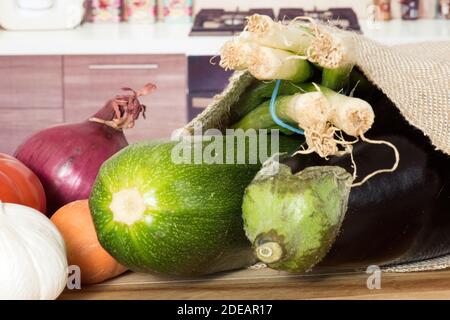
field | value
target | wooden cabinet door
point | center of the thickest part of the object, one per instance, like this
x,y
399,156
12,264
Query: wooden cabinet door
x,y
31,94
18,124
31,82
90,81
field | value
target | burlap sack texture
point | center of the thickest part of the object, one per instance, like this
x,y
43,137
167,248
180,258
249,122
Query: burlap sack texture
x,y
415,77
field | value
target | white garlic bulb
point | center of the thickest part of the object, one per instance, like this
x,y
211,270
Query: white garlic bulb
x,y
33,262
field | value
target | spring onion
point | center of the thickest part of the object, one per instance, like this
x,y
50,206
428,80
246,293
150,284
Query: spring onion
x,y
234,54
289,44
257,93
293,37
352,115
320,112
334,50
307,110
337,78
266,63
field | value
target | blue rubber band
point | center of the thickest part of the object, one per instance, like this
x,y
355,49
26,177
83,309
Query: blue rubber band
x,y
273,113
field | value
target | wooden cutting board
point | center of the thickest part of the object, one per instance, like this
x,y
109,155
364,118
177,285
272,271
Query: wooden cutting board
x,y
270,284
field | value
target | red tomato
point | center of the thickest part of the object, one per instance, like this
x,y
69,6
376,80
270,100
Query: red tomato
x,y
20,185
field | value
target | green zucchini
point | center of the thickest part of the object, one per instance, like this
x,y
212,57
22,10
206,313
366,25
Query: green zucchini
x,y
293,219
153,214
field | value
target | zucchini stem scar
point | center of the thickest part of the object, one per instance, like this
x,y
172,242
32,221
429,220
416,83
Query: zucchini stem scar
x,y
269,252
127,206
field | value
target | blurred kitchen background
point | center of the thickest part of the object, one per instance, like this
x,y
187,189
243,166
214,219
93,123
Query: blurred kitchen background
x,y
60,60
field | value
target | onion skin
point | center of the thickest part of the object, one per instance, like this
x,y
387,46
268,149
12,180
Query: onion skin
x,y
66,158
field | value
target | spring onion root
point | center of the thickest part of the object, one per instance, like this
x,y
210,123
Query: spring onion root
x,y
353,116
234,54
394,167
335,52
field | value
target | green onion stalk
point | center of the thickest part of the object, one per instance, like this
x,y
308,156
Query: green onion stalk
x,y
257,93
272,50
306,110
360,86
352,115
266,63
312,109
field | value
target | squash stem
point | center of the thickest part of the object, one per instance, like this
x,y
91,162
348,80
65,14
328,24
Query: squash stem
x,y
269,252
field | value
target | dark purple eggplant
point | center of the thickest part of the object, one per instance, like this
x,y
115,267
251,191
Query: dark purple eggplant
x,y
397,217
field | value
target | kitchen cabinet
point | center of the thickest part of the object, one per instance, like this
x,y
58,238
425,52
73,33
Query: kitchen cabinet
x,y
31,97
89,81
31,82
17,124
39,91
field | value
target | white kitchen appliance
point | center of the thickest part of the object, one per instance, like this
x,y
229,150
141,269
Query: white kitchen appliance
x,y
41,14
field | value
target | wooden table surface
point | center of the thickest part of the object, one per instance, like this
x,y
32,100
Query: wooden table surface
x,y
269,284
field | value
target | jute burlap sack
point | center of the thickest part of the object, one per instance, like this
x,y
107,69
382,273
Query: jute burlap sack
x,y
415,77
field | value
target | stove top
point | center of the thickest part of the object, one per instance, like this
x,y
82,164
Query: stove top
x,y
219,22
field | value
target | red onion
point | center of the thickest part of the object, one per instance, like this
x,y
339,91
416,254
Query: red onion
x,y
67,157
